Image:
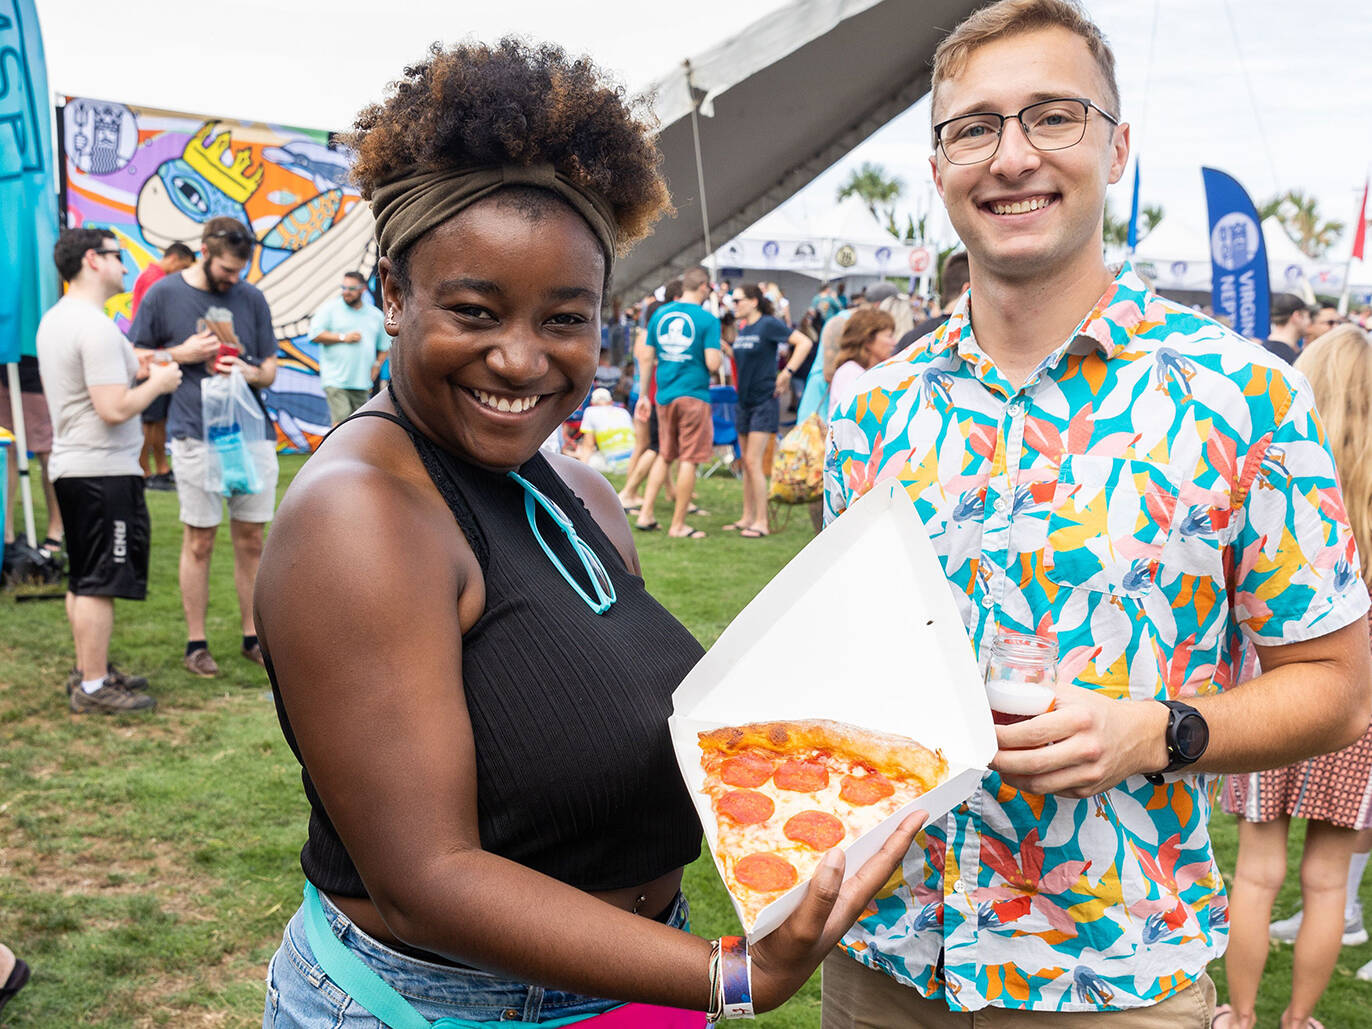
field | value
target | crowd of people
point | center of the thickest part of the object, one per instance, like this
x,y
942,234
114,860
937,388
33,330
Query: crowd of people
x,y
454,622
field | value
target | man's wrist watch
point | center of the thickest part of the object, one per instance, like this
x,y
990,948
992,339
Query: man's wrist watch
x,y
1187,737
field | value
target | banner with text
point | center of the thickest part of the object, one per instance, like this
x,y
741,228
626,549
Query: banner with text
x,y
1238,256
28,207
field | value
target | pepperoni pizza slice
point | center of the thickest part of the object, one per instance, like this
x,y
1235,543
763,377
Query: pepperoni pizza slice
x,y
784,793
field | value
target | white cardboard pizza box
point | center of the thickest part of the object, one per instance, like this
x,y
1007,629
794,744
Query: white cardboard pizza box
x,y
860,627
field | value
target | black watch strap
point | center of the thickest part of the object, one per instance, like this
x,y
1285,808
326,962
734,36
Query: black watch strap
x,y
1185,742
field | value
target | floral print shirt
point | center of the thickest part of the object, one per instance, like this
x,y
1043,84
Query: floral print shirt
x,y
1156,496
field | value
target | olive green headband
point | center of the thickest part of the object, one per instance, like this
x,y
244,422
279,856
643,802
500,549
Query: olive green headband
x,y
408,207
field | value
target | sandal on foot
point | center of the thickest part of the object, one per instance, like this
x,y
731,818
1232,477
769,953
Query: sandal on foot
x,y
691,534
630,508
752,534
734,526
51,545
650,527
1224,1012
695,509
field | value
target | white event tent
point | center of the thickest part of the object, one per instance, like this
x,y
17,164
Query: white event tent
x,y
847,240
1176,256
751,121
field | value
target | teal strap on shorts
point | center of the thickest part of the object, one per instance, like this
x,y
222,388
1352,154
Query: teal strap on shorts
x,y
352,975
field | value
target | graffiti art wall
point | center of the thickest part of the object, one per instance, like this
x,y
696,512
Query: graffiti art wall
x,y
154,177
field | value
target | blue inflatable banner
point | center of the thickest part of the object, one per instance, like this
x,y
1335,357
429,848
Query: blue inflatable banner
x,y
1238,256
28,200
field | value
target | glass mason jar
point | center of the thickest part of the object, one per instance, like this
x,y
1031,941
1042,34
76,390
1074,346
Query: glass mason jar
x,y
1020,676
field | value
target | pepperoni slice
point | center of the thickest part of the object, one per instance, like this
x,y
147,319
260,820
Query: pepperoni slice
x,y
817,829
746,807
865,789
766,873
802,776
746,770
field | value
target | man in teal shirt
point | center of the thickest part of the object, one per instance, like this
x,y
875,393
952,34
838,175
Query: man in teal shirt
x,y
352,346
685,341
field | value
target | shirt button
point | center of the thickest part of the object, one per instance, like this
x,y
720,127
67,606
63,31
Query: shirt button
x,y
1002,503
988,601
958,887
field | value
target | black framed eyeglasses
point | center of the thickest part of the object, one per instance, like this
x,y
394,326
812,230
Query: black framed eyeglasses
x,y
109,253
1048,125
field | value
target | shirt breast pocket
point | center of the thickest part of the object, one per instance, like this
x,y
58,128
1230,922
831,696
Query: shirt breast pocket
x,y
1109,521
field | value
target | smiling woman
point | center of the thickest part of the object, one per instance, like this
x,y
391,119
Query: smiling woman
x,y
455,626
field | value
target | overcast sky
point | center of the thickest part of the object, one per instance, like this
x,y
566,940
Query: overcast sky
x,y
1298,119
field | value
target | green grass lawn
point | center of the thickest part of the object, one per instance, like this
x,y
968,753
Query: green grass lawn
x,y
149,864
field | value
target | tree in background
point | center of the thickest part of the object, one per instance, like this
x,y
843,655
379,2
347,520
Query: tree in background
x,y
1117,229
1299,214
878,190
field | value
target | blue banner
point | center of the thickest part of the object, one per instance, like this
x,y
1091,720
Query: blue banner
x,y
1238,257
28,201
1133,240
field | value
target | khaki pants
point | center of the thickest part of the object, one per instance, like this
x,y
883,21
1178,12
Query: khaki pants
x,y
343,402
857,996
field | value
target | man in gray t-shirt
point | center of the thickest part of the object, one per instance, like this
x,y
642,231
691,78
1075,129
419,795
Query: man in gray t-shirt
x,y
87,367
211,322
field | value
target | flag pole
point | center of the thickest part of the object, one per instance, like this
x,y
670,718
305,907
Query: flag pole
x,y
21,455
1359,239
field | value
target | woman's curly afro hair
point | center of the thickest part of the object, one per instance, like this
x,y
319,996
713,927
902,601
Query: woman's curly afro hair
x,y
514,103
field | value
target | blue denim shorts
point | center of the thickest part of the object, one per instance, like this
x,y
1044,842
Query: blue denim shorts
x,y
763,417
299,994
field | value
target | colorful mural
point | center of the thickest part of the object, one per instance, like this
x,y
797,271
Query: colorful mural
x,y
154,177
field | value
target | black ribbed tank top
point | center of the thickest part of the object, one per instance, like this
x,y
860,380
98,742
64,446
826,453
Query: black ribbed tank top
x,y
576,777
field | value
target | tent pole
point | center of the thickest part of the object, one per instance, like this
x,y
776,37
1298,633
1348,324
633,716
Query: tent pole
x,y
700,173
21,454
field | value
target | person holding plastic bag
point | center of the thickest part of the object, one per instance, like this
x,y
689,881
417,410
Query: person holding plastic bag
x,y
456,625
219,329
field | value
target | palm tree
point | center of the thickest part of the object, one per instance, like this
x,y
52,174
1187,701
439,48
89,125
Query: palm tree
x,y
1117,229
1299,214
876,188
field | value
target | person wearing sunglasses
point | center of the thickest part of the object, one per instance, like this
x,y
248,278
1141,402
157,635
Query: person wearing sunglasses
x,y
1101,466
463,654
211,322
90,377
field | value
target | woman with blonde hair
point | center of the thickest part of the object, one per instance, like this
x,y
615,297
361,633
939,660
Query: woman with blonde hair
x,y
1332,792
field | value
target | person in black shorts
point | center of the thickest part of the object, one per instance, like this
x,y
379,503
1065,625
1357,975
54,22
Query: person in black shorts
x,y
87,366
758,336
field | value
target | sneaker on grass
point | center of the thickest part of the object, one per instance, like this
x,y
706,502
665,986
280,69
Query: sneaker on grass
x,y
1354,934
198,662
109,699
133,683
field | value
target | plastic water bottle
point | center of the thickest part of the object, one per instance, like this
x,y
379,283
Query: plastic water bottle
x,y
1020,676
239,476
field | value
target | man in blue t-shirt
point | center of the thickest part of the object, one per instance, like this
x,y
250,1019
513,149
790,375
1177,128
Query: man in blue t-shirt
x,y
685,342
351,335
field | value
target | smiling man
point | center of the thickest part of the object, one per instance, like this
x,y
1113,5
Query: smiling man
x,y
1099,466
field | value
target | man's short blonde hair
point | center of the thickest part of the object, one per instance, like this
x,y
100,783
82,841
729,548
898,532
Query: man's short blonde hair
x,y
1012,17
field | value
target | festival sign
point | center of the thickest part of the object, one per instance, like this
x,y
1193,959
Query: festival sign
x,y
1238,256
28,216
155,177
